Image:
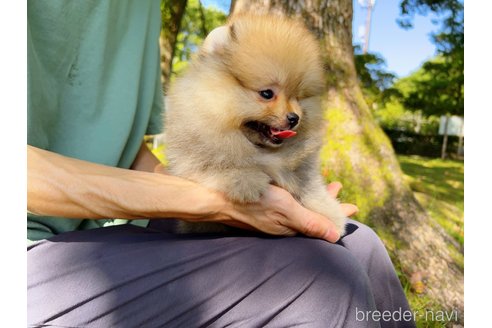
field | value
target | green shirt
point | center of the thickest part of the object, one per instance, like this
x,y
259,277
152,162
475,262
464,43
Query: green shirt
x,y
94,86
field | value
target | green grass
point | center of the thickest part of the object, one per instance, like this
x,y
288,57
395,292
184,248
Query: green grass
x,y
438,185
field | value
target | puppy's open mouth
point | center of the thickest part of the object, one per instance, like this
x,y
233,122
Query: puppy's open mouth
x,y
263,134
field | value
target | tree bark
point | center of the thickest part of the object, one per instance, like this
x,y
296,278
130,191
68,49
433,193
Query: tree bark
x,y
359,154
172,12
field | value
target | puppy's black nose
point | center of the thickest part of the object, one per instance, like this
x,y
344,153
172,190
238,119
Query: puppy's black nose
x,y
293,119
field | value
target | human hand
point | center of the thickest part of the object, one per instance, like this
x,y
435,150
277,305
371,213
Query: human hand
x,y
333,189
278,213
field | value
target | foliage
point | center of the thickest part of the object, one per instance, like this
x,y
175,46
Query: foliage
x,y
396,112
197,22
440,87
451,9
419,99
394,116
169,8
375,81
172,12
435,89
411,143
390,100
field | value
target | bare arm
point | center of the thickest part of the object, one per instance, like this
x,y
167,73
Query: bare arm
x,y
67,187
63,186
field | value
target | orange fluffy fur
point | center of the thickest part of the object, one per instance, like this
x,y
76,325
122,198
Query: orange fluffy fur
x,y
208,108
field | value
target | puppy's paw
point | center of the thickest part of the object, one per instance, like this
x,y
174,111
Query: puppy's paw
x,y
328,207
243,186
340,224
247,187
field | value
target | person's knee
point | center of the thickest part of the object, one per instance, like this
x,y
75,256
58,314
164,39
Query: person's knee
x,y
363,241
328,260
333,265
362,230
327,279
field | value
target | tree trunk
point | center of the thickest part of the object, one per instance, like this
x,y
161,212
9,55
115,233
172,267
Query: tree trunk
x,y
172,12
359,154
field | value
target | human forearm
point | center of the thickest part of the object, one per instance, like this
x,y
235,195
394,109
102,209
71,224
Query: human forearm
x,y
67,187
63,186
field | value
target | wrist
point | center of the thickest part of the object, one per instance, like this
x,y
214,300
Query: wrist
x,y
209,205
175,197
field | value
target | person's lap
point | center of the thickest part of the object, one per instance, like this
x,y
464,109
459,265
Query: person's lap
x,y
126,276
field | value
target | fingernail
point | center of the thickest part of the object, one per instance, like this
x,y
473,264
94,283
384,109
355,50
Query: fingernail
x,y
332,236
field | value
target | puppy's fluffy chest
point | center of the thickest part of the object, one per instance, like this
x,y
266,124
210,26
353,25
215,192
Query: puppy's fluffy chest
x,y
285,168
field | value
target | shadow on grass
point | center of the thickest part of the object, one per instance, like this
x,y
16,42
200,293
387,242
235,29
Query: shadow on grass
x,y
441,179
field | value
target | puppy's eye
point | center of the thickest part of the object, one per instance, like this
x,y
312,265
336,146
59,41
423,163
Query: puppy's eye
x,y
267,94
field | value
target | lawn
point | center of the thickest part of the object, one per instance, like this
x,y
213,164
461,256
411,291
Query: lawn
x,y
438,185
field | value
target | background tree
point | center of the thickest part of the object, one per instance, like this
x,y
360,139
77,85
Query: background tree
x,y
415,103
197,22
438,87
439,90
172,13
374,80
185,23
358,153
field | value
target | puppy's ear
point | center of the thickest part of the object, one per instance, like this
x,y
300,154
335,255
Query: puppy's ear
x,y
217,40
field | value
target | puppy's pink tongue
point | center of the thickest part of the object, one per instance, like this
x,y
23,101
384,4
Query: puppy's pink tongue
x,y
283,134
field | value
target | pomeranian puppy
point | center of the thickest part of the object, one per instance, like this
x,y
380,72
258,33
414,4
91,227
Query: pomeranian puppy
x,y
247,113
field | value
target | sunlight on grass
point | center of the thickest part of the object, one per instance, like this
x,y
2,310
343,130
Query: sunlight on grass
x,y
439,187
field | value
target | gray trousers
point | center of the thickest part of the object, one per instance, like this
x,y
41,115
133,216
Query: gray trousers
x,y
128,276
